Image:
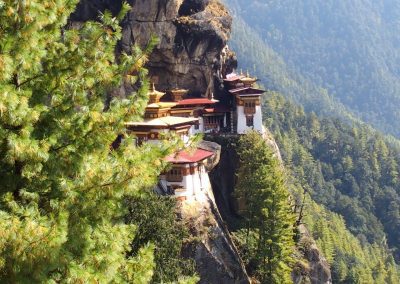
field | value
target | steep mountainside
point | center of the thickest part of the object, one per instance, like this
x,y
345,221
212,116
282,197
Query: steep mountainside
x,y
348,170
348,48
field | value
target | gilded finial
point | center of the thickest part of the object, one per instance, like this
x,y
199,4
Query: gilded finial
x,y
153,87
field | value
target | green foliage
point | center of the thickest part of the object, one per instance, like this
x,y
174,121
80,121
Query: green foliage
x,y
62,189
257,56
268,223
351,260
321,53
351,171
157,223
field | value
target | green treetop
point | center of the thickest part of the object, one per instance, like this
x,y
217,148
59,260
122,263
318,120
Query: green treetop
x,y
268,217
61,186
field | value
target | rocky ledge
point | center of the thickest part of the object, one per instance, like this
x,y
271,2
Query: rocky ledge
x,y
192,36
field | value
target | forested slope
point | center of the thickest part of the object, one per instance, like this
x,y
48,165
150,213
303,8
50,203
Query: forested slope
x,y
256,55
348,48
350,170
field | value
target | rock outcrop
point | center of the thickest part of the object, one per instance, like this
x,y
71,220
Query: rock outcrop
x,y
315,268
217,259
192,36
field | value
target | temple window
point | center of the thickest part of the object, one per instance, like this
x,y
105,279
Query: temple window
x,y
249,107
175,175
211,122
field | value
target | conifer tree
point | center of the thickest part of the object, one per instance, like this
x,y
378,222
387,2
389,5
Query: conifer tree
x,y
268,216
61,186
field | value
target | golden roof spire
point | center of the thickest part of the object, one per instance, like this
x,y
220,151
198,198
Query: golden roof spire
x,y
154,95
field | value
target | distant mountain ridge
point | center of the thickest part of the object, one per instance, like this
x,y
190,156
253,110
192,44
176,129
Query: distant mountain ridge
x,y
333,57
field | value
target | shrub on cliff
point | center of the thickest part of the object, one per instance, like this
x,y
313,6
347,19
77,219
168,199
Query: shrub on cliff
x,y
156,218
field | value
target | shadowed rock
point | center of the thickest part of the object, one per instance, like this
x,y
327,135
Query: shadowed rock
x,y
192,36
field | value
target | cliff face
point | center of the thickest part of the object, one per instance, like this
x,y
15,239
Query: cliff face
x,y
192,54
311,266
216,257
192,34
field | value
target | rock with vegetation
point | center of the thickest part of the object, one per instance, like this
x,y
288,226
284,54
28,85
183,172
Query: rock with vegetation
x,y
217,259
265,233
158,222
311,265
192,36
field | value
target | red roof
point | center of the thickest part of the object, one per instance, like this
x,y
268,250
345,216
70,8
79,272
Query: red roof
x,y
200,101
185,157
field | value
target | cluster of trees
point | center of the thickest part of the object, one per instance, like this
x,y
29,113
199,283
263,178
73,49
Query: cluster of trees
x,y
63,191
266,233
350,170
348,48
157,222
351,260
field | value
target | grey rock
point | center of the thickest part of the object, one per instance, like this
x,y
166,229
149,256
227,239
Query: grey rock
x,y
192,35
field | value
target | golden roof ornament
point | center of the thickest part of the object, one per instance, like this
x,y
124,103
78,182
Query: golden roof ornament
x,y
248,81
178,94
154,95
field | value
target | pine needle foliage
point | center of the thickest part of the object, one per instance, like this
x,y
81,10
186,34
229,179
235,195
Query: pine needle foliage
x,y
267,237
346,176
61,186
156,217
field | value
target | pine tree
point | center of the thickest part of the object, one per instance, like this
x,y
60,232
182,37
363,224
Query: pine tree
x,y
62,187
157,221
268,215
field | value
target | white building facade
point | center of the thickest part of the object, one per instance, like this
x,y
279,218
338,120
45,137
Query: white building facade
x,y
187,177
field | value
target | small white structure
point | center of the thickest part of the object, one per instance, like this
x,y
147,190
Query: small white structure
x,y
248,109
246,103
187,176
246,122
